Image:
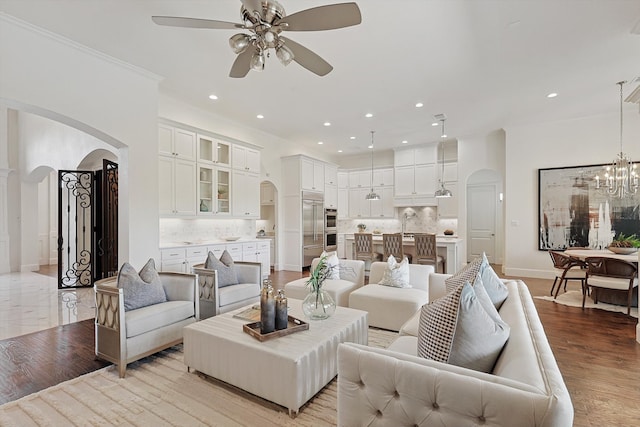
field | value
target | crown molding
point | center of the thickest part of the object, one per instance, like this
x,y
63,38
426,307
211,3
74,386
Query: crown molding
x,y
80,47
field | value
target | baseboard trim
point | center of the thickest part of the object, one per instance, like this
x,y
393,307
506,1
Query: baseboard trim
x,y
526,272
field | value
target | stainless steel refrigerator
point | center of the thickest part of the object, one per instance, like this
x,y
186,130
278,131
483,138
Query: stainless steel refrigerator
x,y
312,226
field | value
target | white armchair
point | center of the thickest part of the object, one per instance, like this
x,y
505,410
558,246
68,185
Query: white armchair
x,y
351,278
390,307
216,300
122,337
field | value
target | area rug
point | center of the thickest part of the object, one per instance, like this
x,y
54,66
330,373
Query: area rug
x,y
574,299
158,391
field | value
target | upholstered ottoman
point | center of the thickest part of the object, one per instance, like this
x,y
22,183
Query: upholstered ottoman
x,y
351,278
390,307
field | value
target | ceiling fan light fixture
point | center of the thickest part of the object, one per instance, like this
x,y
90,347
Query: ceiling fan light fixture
x,y
285,55
239,42
257,61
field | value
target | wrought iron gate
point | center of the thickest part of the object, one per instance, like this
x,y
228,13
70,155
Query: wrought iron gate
x,y
87,225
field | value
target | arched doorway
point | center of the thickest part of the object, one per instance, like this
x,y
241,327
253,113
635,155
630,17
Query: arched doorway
x,y
485,227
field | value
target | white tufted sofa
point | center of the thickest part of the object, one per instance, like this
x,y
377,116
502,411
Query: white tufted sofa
x,y
394,387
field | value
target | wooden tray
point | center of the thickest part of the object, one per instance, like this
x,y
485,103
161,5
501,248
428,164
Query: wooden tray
x,y
295,325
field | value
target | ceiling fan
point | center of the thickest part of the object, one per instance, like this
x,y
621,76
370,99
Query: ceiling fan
x,y
265,20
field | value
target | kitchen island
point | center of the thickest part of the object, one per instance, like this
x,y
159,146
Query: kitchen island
x,y
448,248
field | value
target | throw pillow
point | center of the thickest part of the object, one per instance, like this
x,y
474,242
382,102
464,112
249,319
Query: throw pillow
x,y
396,274
495,288
333,264
227,274
463,328
467,274
140,289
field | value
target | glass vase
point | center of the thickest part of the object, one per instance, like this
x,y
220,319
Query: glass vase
x,y
318,305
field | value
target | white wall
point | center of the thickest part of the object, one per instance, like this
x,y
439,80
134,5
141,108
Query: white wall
x,y
51,76
585,141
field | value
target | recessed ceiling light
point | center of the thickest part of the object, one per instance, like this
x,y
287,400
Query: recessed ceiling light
x,y
352,137
371,146
435,124
327,123
368,115
320,142
419,105
552,95
212,96
339,151
405,141
260,116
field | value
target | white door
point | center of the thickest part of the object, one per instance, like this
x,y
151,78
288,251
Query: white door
x,y
481,220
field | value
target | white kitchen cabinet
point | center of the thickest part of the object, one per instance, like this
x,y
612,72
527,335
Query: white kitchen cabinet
x,y
177,186
420,155
450,172
176,142
383,208
245,158
331,196
173,259
359,206
258,252
211,150
267,194
235,250
330,174
448,206
343,203
360,179
312,174
245,194
341,248
213,191
343,179
415,185
382,177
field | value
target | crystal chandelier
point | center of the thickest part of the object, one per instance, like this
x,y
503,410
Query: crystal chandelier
x,y
372,195
620,178
442,192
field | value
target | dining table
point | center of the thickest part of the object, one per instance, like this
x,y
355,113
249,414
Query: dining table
x,y
606,295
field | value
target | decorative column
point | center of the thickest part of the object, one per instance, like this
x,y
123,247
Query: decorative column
x,y
5,247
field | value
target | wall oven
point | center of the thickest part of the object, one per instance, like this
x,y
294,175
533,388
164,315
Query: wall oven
x,y
330,229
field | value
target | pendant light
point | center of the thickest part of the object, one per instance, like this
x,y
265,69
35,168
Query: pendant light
x,y
621,176
372,195
442,192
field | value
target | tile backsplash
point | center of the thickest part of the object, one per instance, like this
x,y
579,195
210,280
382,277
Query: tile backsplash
x,y
174,230
418,220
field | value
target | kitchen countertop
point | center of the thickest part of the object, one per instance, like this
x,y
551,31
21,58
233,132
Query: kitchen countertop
x,y
186,244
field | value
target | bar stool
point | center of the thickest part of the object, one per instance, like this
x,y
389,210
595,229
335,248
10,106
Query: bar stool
x,y
363,244
425,244
392,245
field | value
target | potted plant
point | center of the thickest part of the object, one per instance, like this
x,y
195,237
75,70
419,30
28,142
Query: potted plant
x,y
361,228
318,305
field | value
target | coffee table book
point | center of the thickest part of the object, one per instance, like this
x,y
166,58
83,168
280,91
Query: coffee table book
x,y
295,325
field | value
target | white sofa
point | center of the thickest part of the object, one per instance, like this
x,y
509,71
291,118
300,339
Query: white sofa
x,y
394,387
351,278
389,307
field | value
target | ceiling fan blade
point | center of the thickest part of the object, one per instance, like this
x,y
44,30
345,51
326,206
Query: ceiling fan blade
x,y
308,59
327,17
242,64
176,21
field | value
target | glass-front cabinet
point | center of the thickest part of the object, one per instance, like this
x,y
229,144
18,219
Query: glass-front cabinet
x,y
213,151
213,190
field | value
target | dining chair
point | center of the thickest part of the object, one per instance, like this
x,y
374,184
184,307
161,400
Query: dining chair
x,y
392,245
567,268
363,245
426,251
610,273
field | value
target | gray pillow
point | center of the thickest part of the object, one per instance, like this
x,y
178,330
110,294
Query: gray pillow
x,y
140,289
463,328
495,288
226,269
